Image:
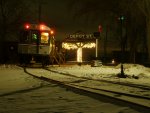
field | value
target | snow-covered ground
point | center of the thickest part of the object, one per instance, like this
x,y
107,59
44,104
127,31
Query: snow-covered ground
x,y
136,74
14,79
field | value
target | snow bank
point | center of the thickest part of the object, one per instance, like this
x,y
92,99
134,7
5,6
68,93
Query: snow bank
x,y
106,71
137,70
9,66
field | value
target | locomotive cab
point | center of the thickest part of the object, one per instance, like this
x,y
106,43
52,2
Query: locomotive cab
x,y
36,43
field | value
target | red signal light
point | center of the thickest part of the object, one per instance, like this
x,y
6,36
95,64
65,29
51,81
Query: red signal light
x,y
100,28
41,27
27,26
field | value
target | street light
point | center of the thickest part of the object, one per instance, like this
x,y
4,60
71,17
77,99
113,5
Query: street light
x,y
121,18
122,75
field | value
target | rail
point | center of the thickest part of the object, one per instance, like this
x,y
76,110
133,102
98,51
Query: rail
x,y
100,94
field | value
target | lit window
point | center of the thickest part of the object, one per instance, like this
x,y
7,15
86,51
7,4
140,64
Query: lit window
x,y
34,38
44,38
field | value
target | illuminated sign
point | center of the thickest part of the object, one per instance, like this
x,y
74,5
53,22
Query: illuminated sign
x,y
82,36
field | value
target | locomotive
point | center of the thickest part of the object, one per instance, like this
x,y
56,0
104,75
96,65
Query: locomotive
x,y
36,44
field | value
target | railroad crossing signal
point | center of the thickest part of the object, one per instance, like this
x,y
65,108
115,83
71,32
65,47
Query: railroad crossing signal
x,y
100,28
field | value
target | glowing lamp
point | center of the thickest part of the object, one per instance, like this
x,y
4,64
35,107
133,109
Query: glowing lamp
x,y
51,32
27,26
41,27
113,61
121,18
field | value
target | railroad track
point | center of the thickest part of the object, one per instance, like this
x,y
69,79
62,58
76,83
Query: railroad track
x,y
144,87
136,102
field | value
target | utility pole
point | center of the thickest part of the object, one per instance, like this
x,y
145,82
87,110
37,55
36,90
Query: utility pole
x,y
105,45
39,18
40,3
96,55
97,35
122,75
39,11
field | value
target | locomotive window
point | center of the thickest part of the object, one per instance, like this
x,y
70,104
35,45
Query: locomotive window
x,y
24,38
34,37
44,38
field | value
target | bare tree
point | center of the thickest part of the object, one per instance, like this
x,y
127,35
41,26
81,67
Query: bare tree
x,y
136,25
144,6
132,27
12,15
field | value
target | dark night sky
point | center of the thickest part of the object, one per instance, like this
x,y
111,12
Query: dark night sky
x,y
56,13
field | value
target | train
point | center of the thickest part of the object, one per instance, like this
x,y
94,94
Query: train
x,y
36,44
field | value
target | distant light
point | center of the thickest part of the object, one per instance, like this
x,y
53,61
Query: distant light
x,y
113,61
51,32
100,28
41,27
121,18
27,26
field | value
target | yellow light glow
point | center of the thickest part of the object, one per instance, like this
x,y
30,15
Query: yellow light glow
x,y
89,45
113,61
77,45
44,37
69,46
51,32
79,55
45,34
